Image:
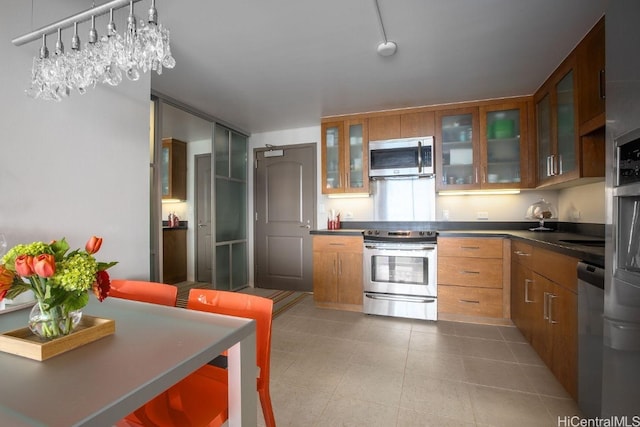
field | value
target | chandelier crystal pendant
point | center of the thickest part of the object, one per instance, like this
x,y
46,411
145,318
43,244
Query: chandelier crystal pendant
x,y
143,46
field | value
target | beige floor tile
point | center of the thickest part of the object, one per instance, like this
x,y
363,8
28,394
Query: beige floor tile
x,y
280,362
477,331
371,354
544,382
436,343
511,334
386,336
371,384
389,322
349,411
436,365
445,398
494,373
289,340
505,408
439,327
337,349
410,418
314,372
525,354
487,349
296,406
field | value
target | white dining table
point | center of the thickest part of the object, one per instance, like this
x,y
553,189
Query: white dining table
x,y
101,382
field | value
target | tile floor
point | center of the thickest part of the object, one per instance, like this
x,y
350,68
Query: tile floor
x,y
335,368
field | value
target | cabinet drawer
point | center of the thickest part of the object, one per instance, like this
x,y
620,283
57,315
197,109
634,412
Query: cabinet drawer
x,y
470,247
556,267
522,253
474,272
470,301
323,243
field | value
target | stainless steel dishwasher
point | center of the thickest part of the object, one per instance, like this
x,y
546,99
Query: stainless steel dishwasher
x,y
590,338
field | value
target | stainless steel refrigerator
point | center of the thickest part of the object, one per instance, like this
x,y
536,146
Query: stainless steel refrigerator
x,y
621,327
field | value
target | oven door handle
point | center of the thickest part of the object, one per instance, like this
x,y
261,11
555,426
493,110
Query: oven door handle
x,y
402,298
421,248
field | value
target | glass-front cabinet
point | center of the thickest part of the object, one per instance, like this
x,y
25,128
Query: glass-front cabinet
x,y
345,157
484,147
503,142
556,123
457,143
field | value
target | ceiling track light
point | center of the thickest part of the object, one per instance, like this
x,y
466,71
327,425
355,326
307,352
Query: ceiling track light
x,y
142,47
386,48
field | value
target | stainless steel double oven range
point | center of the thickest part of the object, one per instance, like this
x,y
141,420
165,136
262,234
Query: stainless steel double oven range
x,y
400,274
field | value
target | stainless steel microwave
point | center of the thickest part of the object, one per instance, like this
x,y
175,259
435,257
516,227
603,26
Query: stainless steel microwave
x,y
401,157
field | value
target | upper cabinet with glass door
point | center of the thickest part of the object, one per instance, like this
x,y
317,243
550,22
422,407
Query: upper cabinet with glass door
x,y
345,157
504,146
558,143
457,149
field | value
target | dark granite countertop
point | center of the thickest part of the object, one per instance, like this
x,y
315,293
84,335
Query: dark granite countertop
x,y
518,230
183,226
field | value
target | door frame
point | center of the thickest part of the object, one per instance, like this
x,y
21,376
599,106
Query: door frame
x,y
314,146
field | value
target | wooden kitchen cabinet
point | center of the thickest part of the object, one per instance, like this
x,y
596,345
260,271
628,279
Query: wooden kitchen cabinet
x,y
457,149
403,125
565,152
174,255
505,158
173,169
345,157
471,277
591,79
522,312
484,147
545,308
337,272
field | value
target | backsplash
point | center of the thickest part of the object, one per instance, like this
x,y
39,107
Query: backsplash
x,y
582,204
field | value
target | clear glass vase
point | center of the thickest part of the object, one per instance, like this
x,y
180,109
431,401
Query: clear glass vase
x,y
54,322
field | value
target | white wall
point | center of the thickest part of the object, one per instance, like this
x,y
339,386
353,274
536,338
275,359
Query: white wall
x,y
75,168
585,203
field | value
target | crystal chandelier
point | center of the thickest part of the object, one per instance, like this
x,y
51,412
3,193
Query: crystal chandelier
x,y
142,46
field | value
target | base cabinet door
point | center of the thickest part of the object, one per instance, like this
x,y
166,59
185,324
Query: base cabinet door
x,y
337,272
545,309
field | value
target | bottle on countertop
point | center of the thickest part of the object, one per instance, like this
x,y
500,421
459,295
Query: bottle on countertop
x,y
176,221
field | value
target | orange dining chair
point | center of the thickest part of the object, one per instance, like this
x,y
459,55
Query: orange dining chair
x,y
201,399
137,290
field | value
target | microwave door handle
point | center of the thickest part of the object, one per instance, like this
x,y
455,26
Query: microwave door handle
x,y
419,156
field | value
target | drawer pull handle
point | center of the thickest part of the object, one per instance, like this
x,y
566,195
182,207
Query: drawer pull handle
x,y
520,253
526,290
336,244
470,301
470,247
469,272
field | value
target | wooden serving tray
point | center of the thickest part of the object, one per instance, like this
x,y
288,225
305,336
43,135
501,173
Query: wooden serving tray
x,y
23,342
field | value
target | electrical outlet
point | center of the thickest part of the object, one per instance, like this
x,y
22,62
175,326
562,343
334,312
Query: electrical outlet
x,y
445,214
348,215
482,215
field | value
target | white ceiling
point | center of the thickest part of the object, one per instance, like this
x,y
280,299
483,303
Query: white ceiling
x,y
281,64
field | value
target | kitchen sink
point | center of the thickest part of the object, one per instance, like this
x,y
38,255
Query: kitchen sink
x,y
585,242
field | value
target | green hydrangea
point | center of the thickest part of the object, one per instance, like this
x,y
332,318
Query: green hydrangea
x,y
75,273
32,249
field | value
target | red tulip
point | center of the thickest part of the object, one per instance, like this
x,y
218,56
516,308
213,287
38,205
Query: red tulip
x,y
24,265
44,265
102,285
93,244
